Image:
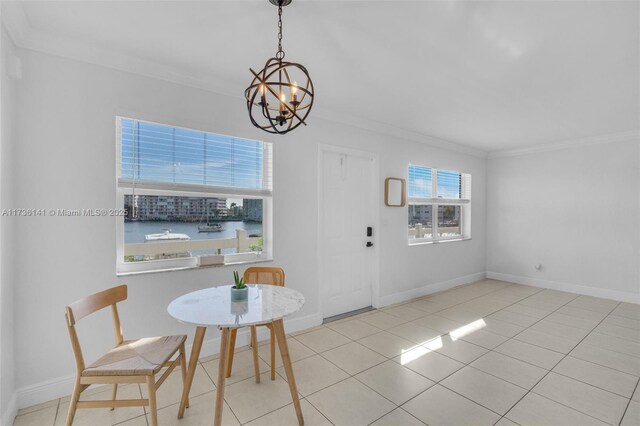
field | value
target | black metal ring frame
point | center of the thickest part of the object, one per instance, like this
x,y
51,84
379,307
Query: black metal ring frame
x,y
293,112
297,114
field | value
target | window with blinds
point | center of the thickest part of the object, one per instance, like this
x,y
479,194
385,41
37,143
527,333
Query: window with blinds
x,y
168,155
439,205
191,197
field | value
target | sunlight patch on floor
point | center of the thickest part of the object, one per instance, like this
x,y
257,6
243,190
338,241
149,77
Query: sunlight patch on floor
x,y
467,329
416,352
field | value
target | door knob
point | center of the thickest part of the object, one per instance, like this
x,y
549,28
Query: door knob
x,y
369,244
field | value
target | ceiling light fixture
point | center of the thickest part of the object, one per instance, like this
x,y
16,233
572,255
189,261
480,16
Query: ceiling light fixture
x,y
280,96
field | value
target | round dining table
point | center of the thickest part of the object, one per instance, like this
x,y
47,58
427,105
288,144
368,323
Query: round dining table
x,y
265,304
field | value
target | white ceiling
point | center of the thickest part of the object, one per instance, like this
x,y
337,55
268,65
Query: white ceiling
x,y
488,75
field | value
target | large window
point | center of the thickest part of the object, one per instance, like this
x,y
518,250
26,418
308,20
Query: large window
x,y
439,205
191,197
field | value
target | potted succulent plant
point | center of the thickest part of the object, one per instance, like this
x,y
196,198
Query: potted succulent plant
x,y
239,291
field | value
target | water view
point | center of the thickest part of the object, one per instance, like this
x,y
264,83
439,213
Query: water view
x,y
154,220
134,232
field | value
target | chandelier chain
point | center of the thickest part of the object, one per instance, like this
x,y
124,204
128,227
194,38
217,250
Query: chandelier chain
x,y
278,104
280,53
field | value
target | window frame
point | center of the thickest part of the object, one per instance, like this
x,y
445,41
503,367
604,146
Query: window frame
x,y
142,187
464,202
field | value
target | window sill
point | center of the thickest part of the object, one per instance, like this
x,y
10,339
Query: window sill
x,y
186,268
421,243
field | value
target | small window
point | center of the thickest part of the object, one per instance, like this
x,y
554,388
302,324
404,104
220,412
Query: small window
x,y
439,205
190,197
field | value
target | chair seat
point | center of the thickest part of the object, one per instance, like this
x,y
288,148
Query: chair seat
x,y
138,357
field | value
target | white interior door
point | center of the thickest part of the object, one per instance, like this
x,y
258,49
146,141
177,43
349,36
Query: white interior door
x,y
347,263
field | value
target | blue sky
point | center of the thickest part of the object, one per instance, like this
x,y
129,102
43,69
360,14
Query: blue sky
x,y
172,154
421,178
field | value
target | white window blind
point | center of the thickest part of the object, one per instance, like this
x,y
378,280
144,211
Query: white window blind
x,y
454,185
156,156
427,184
420,182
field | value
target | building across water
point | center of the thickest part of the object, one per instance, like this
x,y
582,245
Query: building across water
x,y
252,209
172,208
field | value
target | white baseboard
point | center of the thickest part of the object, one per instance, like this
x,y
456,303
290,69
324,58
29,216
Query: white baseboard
x,y
621,296
428,289
45,391
10,412
56,388
62,386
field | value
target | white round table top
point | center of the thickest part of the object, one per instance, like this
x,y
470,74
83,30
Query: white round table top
x,y
213,306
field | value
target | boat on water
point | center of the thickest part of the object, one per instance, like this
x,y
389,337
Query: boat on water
x,y
165,236
210,227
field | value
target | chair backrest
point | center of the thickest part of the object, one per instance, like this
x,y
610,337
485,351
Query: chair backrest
x,y
87,306
264,275
90,304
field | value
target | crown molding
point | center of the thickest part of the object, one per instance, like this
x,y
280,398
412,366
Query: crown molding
x,y
570,143
27,37
399,133
14,20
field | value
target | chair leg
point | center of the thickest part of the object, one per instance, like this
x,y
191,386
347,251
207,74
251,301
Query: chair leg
x,y
183,368
77,388
254,349
272,343
114,393
231,351
153,407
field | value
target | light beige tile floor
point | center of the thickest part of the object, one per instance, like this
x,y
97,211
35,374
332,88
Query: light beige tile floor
x,y
489,353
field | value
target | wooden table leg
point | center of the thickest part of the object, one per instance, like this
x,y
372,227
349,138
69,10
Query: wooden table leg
x,y
191,370
222,363
278,327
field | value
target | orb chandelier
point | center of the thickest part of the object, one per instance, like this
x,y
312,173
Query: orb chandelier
x,y
280,96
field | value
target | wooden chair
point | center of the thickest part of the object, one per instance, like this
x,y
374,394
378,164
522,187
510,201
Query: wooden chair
x,y
258,275
131,361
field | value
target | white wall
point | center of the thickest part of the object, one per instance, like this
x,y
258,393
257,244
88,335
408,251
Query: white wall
x,y
7,137
576,211
65,158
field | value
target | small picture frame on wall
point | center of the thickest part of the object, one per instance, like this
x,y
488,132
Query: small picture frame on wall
x,y
395,192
